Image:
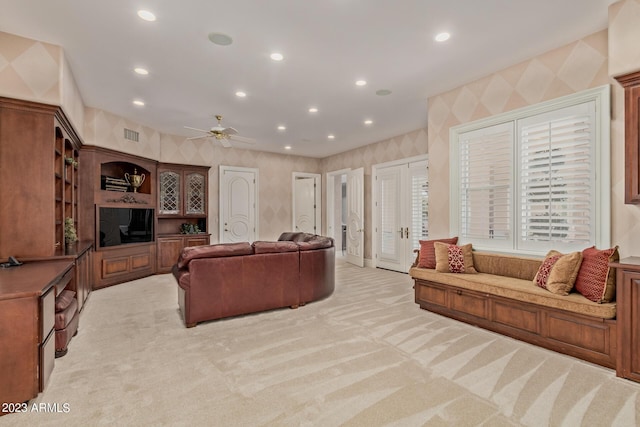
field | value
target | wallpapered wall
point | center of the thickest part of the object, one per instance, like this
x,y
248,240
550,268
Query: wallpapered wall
x,y
624,33
38,71
562,71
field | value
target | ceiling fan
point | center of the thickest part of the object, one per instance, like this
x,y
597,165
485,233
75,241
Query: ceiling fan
x,y
222,134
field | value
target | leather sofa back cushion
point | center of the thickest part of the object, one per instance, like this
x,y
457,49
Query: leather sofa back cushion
x,y
213,251
296,236
317,243
274,247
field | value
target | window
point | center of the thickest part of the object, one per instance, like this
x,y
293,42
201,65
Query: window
x,y
534,179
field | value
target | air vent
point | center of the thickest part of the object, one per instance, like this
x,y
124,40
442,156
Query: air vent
x,y
131,135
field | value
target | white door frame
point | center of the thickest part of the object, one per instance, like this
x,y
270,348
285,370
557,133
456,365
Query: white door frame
x,y
317,180
256,210
374,186
331,176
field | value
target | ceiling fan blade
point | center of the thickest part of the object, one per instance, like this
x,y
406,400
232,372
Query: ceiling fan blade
x,y
199,130
225,143
242,139
197,137
229,131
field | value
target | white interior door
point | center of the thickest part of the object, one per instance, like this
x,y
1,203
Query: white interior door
x,y
355,217
238,204
306,203
400,212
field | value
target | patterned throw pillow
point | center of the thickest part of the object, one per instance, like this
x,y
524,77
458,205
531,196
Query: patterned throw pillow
x,y
453,258
427,258
596,281
558,272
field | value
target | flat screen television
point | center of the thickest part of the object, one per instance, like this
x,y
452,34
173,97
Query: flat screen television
x,y
120,226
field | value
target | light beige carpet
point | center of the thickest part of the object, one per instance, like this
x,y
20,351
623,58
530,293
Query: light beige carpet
x,y
366,356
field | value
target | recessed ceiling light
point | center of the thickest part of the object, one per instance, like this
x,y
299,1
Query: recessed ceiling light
x,y
361,83
241,94
138,102
383,92
277,56
368,122
146,15
287,147
141,71
442,37
220,39
313,110
331,136
281,127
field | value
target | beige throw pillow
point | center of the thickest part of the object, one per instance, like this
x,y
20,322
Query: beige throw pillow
x,y
558,272
453,258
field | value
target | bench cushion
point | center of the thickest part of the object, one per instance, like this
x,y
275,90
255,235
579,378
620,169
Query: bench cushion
x,y
518,289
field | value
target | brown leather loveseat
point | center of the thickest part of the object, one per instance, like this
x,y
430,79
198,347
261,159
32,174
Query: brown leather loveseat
x,y
231,279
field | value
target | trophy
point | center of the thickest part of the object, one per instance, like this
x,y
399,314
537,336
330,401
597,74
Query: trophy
x,y
134,180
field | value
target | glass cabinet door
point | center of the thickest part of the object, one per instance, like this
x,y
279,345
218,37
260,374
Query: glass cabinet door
x,y
169,193
195,188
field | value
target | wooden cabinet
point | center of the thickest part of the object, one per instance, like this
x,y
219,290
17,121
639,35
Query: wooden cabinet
x,y
39,166
27,318
182,190
118,216
65,167
82,277
628,317
182,199
631,84
169,248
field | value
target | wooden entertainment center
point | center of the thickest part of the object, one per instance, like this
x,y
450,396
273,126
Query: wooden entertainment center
x,y
48,178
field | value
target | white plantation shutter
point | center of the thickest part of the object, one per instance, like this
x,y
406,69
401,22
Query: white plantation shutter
x,y
557,179
536,178
418,177
390,203
485,180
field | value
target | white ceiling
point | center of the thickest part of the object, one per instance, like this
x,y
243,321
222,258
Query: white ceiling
x,y
327,46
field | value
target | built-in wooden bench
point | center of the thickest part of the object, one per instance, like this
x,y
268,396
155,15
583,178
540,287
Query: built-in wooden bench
x,y
502,298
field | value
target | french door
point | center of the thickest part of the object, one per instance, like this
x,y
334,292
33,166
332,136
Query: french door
x,y
400,209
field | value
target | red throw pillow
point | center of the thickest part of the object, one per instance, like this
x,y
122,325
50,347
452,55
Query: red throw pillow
x,y
427,258
596,280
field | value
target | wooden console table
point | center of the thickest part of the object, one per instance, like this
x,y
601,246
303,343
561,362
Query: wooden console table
x,y
27,317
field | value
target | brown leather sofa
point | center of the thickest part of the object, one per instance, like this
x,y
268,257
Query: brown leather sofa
x,y
230,279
